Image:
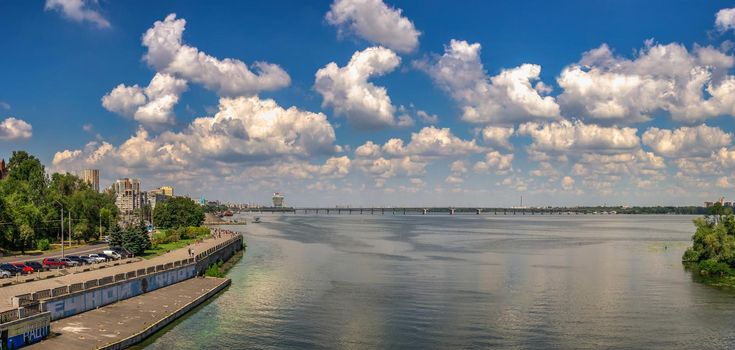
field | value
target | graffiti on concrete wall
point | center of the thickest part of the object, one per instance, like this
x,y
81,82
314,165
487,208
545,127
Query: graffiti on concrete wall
x,y
85,301
26,332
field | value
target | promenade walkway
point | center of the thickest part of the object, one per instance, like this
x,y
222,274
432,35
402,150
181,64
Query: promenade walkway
x,y
132,319
6,293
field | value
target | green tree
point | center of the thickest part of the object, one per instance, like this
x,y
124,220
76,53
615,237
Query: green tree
x,y
135,239
178,212
713,243
23,167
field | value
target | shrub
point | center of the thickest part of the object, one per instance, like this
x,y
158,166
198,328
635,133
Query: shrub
x,y
712,267
43,244
690,255
159,238
214,270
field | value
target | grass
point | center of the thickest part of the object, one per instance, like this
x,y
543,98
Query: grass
x,y
56,247
164,248
221,268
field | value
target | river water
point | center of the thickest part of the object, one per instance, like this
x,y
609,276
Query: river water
x,y
462,282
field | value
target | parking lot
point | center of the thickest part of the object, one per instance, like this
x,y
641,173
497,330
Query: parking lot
x,y
42,275
47,282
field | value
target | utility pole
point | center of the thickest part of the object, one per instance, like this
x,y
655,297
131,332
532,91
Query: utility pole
x,y
62,255
62,231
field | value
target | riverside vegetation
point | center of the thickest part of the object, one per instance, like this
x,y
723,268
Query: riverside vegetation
x,y
712,254
31,202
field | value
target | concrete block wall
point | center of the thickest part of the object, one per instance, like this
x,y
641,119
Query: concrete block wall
x,y
222,251
70,300
85,300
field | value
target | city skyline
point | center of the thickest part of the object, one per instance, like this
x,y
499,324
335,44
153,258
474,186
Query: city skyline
x,y
569,104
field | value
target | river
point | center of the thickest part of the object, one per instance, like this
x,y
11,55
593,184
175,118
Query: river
x,y
462,282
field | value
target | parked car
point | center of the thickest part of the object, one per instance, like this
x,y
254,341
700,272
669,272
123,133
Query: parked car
x,y
54,263
97,258
105,256
123,252
69,262
80,259
37,266
5,274
26,269
11,268
114,254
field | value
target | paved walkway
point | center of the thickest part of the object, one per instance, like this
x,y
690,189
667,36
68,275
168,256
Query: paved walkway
x,y
6,293
118,321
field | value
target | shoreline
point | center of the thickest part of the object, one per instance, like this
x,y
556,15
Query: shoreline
x,y
173,282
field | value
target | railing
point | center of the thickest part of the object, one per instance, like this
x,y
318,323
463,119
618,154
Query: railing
x,y
29,301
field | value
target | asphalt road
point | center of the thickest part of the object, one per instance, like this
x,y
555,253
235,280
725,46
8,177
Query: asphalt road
x,y
84,250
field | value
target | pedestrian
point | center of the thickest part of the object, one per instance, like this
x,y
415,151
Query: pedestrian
x,y
189,251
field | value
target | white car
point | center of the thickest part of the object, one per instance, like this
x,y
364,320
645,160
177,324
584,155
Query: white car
x,y
69,262
5,274
96,258
115,255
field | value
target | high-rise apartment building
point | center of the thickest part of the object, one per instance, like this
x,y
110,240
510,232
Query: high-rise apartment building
x,y
92,177
128,197
167,191
3,169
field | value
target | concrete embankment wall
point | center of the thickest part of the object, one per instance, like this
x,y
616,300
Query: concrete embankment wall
x,y
155,327
85,300
221,252
66,301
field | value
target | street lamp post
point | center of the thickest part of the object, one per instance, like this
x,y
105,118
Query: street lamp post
x,y
62,227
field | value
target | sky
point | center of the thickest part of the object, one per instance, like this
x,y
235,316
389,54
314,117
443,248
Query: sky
x,y
379,103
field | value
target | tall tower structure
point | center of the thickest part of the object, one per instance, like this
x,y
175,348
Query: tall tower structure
x,y
92,177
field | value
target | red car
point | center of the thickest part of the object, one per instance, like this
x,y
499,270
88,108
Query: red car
x,y
54,263
26,269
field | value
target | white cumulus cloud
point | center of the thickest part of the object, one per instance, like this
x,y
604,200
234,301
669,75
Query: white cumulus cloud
x,y
498,136
700,141
347,90
505,98
228,77
725,19
432,142
15,129
374,21
78,10
607,88
564,136
496,162
152,105
245,132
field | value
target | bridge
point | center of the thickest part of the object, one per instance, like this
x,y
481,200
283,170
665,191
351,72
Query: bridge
x,y
425,211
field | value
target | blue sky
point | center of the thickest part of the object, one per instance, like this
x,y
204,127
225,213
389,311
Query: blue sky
x,y
644,119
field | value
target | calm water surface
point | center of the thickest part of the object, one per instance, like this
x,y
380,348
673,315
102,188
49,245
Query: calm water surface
x,y
462,282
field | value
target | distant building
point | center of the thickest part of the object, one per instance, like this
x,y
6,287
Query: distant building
x,y
167,191
3,169
721,201
128,198
154,197
92,177
278,200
